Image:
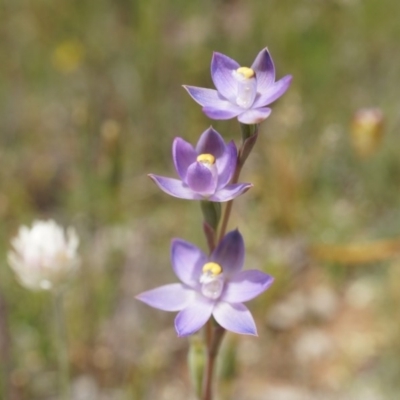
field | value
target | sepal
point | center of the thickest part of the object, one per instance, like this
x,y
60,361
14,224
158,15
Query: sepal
x,y
249,137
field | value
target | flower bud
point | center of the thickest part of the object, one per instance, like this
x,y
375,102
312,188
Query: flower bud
x,y
367,131
44,256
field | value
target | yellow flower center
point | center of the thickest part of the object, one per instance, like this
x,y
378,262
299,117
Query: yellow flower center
x,y
206,159
212,282
212,268
246,72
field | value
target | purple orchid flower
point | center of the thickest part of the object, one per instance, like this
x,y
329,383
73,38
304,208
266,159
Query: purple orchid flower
x,y
205,171
211,286
241,92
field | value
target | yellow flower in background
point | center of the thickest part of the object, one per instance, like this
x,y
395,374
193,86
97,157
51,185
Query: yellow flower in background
x,y
68,55
367,131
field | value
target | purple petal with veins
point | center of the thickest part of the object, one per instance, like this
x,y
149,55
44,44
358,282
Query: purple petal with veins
x,y
206,97
235,318
273,92
187,261
202,178
222,68
193,317
227,111
231,191
254,116
175,188
211,142
229,254
173,297
226,165
264,68
246,285
183,155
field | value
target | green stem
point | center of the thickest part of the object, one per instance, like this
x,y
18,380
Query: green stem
x,y
249,137
214,335
212,352
61,345
228,207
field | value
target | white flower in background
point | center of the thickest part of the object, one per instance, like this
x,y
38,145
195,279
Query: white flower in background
x,y
44,256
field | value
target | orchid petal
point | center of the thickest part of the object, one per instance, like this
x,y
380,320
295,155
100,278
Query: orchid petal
x,y
235,318
229,254
175,188
172,297
273,92
206,97
254,116
246,285
226,165
230,192
187,261
193,317
214,106
264,68
202,178
222,68
211,142
222,112
183,155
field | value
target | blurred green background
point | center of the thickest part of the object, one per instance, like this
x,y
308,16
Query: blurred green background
x,y
90,101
